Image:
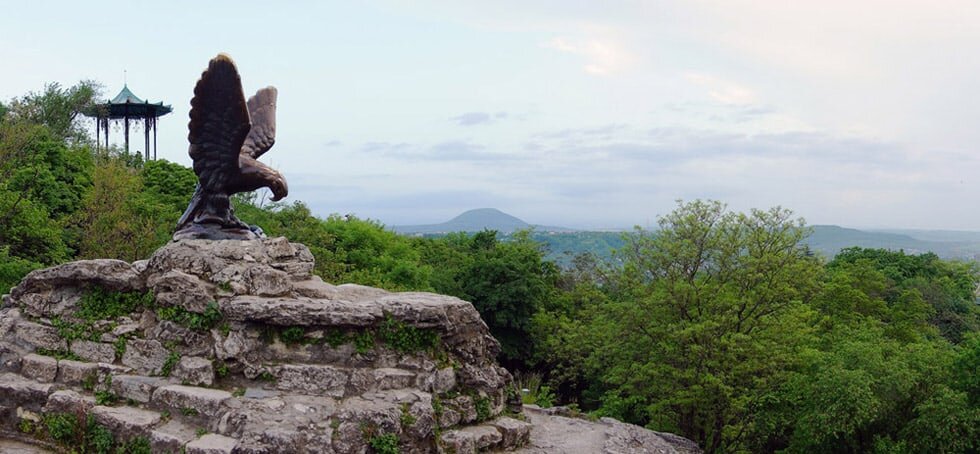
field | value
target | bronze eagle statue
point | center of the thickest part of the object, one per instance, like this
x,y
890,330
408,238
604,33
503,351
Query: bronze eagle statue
x,y
227,135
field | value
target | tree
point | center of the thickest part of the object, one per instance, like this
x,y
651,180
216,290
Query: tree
x,y
508,282
118,220
921,286
58,109
705,316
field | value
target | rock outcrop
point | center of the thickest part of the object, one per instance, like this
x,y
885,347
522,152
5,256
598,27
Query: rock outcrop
x,y
234,346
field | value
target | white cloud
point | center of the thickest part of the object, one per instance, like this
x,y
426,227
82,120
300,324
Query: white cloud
x,y
603,56
721,90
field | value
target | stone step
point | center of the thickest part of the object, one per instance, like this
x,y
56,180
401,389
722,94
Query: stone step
x,y
501,434
18,392
171,436
68,372
136,387
193,401
339,382
126,422
211,444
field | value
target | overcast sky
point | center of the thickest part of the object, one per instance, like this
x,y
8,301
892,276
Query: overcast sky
x,y
585,114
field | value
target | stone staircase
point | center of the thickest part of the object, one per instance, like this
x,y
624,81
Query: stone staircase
x,y
240,349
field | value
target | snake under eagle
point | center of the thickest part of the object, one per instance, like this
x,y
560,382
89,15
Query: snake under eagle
x,y
227,135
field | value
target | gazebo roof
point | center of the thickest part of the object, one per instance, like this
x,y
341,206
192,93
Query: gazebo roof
x,y
126,96
128,105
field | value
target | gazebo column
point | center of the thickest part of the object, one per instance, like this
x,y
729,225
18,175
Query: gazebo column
x,y
154,123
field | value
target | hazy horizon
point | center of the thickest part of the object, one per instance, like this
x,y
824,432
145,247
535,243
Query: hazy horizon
x,y
577,114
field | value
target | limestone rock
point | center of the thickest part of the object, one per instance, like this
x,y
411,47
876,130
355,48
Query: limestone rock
x,y
194,370
146,356
177,288
312,379
54,291
514,433
211,444
136,387
35,335
40,368
77,373
128,422
170,437
300,311
203,401
68,401
16,391
94,351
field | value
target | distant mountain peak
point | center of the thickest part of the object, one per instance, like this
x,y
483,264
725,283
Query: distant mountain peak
x,y
476,220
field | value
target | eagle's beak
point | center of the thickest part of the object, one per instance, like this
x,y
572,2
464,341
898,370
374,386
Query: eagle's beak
x,y
279,189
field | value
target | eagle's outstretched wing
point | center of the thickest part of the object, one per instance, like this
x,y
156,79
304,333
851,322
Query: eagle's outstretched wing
x,y
219,124
262,110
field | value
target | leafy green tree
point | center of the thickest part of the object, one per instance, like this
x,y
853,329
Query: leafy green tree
x,y
170,183
118,220
58,109
13,269
508,282
706,314
917,286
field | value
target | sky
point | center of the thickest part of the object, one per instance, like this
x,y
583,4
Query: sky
x,y
585,114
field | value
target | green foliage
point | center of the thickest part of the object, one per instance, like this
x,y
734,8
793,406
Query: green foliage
x,y
483,412
57,108
363,341
58,354
169,183
61,427
119,345
918,289
69,431
99,439
100,304
89,381
384,444
118,219
407,419
168,366
221,369
293,335
704,314
13,269
507,282
137,445
533,391
335,337
70,331
210,318
26,426
405,338
105,398
187,411
267,376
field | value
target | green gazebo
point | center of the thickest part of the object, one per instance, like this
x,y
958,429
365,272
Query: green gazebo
x,y
128,107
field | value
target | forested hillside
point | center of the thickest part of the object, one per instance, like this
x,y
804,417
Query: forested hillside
x,y
723,327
